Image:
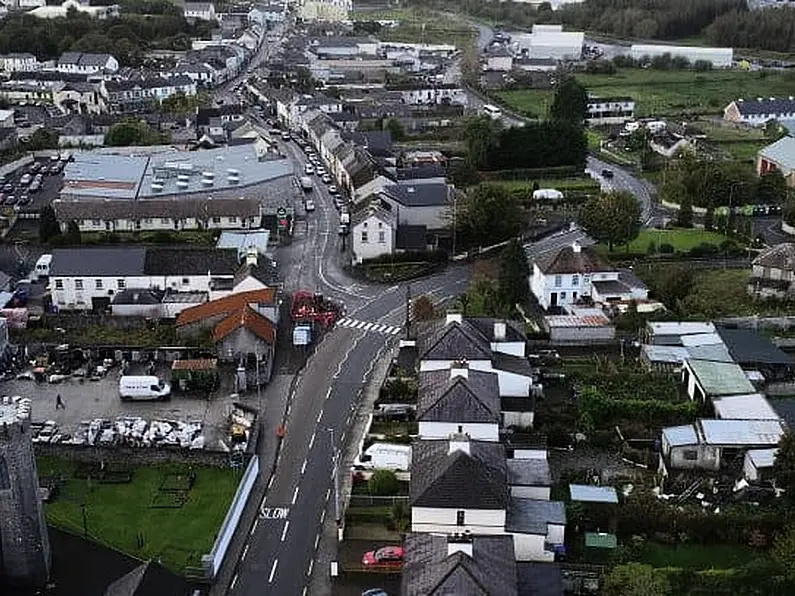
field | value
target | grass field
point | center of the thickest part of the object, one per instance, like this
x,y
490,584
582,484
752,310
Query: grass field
x,y
696,556
419,26
119,514
665,93
581,184
682,239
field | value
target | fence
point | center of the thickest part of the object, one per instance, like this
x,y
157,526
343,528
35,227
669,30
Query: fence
x,y
375,501
211,563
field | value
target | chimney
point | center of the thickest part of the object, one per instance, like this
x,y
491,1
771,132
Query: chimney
x,y
454,317
459,368
576,247
459,543
459,442
500,330
252,255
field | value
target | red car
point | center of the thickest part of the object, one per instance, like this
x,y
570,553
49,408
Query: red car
x,y
387,556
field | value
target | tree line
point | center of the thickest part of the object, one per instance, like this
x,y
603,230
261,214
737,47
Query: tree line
x,y
127,38
772,30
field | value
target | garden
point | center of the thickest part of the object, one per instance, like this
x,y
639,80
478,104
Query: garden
x,y
167,512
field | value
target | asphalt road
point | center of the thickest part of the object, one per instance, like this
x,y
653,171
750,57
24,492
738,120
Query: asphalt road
x,y
624,180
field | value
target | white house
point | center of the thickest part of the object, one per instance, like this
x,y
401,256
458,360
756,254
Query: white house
x,y
564,277
80,63
760,111
200,11
430,205
373,231
20,62
443,94
499,59
329,11
610,110
88,278
459,401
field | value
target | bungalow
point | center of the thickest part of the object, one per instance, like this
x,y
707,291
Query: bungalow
x,y
759,111
778,156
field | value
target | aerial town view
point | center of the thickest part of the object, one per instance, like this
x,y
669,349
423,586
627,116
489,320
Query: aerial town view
x,y
397,298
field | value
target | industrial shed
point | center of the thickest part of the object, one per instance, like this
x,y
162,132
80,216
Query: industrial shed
x,y
719,57
579,328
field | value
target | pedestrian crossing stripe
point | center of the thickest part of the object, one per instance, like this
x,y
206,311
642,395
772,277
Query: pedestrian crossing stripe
x,y
365,326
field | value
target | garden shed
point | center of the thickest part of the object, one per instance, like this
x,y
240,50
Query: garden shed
x,y
758,464
705,379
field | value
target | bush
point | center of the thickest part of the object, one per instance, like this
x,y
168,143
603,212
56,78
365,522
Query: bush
x,y
705,249
666,249
533,173
383,483
415,256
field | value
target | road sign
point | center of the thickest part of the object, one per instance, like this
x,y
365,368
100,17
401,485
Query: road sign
x,y
281,213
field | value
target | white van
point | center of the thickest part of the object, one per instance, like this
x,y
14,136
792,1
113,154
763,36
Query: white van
x,y
385,456
42,268
143,388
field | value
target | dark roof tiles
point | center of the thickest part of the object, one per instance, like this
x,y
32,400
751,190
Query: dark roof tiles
x,y
447,398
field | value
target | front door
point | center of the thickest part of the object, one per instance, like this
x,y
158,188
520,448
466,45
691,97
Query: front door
x,y
553,299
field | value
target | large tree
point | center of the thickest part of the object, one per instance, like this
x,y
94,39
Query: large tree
x,y
612,218
771,188
480,133
635,579
488,214
570,102
514,273
784,465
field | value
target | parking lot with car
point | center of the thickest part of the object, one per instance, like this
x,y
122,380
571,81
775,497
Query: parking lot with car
x,y
34,185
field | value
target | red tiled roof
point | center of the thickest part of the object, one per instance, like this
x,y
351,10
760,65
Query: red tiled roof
x,y
226,305
250,319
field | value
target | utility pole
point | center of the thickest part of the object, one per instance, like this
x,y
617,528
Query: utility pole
x,y
408,311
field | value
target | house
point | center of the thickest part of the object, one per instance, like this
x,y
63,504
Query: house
x,y
88,278
459,401
459,339
482,565
436,95
602,111
257,272
759,111
88,64
429,205
705,379
81,98
778,156
266,15
19,62
708,444
538,527
568,275
62,11
199,11
773,272
499,59
758,464
141,93
200,73
669,144
373,230
242,324
328,11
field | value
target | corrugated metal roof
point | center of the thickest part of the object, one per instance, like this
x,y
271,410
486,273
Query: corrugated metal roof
x,y
680,328
720,378
752,406
762,458
741,433
573,321
593,494
701,339
782,152
677,436
667,354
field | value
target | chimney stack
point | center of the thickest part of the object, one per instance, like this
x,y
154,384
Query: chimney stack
x,y
252,256
576,247
454,317
459,368
500,330
459,543
459,442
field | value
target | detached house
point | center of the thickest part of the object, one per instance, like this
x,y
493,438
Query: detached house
x,y
429,205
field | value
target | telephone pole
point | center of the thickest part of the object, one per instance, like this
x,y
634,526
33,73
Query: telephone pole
x,y
408,311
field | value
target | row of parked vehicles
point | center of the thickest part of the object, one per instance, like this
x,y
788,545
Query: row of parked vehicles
x,y
31,181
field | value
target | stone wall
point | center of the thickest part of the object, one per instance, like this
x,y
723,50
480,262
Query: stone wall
x,y
136,455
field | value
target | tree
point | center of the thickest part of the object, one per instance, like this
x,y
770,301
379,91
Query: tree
x,y
395,129
48,224
514,273
784,465
73,233
479,134
635,579
383,483
570,102
130,133
489,214
684,219
464,174
672,285
422,309
612,218
771,188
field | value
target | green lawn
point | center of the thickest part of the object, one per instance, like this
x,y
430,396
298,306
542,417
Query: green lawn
x,y
696,556
581,184
682,239
118,514
665,93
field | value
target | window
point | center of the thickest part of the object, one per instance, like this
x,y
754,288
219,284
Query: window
x,y
59,284
459,518
121,284
575,280
78,284
364,237
690,454
165,220
232,219
216,220
563,295
98,284
558,281
381,237
96,223
185,281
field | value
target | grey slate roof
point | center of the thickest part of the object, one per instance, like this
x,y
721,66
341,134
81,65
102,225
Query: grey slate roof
x,y
429,570
539,579
453,341
101,262
771,107
445,399
137,297
419,195
514,331
190,261
420,172
531,516
264,271
529,472
512,364
477,480
411,237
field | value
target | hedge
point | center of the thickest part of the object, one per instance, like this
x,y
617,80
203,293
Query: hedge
x,y
532,173
606,410
412,256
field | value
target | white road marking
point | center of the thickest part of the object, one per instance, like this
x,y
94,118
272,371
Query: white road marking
x,y
303,467
317,541
323,517
312,440
311,565
306,589
295,495
273,571
270,483
328,491
319,416
254,527
284,531
233,584
328,394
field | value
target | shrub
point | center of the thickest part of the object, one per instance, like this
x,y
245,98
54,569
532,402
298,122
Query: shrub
x,y
383,483
705,249
666,249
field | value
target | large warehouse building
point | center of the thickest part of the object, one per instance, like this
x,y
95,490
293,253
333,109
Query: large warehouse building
x,y
549,42
719,57
227,188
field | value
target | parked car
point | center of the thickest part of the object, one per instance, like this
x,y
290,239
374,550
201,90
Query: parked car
x,y
23,200
309,169
607,174
26,179
326,178
35,186
333,189
394,412
387,556
8,187
10,200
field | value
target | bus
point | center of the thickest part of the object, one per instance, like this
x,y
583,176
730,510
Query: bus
x,y
492,111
